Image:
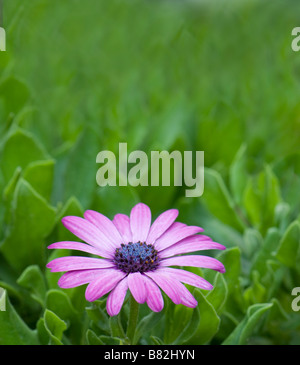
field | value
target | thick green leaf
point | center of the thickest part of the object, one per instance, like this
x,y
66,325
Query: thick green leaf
x,y
59,303
80,172
2,299
231,259
256,293
238,174
40,174
92,338
20,148
54,327
266,251
146,324
218,295
32,279
261,196
247,326
219,201
32,219
99,317
13,330
289,247
15,94
207,326
252,242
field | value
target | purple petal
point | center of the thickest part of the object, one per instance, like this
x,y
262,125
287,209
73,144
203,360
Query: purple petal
x,y
188,277
137,287
116,298
187,298
105,225
69,263
75,278
183,295
87,231
122,223
70,245
161,224
140,222
165,283
194,260
190,244
155,299
103,284
174,235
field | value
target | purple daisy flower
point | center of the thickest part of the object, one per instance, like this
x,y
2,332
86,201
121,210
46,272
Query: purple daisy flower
x,y
135,255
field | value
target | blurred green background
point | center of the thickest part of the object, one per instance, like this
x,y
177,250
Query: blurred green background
x,y
80,77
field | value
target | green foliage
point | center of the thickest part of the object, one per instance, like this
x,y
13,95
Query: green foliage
x,y
163,75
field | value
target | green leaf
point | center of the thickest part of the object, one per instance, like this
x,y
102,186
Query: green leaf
x,y
13,330
208,324
231,259
59,303
32,219
110,340
246,327
98,316
255,293
218,200
238,174
156,340
218,295
72,207
20,148
81,168
2,299
54,327
40,174
266,251
111,200
92,338
146,324
116,328
261,196
252,242
187,326
32,279
15,94
289,247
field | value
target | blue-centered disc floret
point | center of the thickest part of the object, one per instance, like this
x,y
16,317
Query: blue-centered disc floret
x,y
134,257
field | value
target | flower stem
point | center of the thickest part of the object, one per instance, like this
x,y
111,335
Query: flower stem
x,y
133,319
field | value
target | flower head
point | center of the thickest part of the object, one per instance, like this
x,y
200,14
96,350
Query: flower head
x,y
133,254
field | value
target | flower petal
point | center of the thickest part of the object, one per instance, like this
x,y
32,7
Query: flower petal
x,y
165,283
70,245
105,225
137,287
69,263
183,295
155,299
174,235
161,224
87,231
116,297
75,278
188,277
194,260
122,223
186,298
103,284
140,222
190,244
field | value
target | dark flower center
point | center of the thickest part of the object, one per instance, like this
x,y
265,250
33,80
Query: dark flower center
x,y
135,257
